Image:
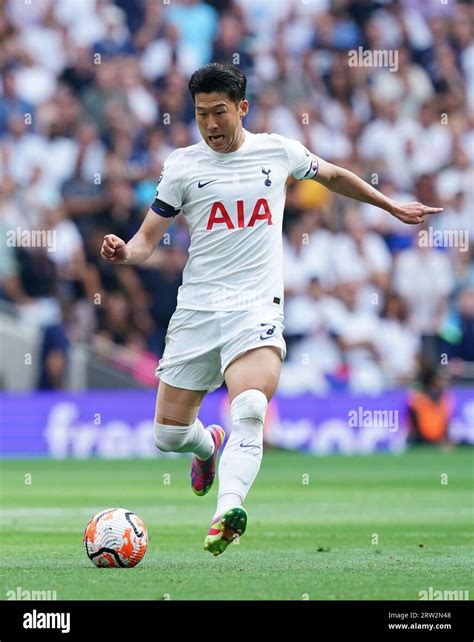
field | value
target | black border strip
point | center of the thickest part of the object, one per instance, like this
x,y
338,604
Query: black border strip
x,y
293,621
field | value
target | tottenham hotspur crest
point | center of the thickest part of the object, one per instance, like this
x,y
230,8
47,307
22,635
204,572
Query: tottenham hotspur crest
x,y
267,180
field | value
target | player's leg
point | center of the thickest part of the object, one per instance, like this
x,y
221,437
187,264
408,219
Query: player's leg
x,y
177,406
176,425
178,429
189,368
251,380
257,369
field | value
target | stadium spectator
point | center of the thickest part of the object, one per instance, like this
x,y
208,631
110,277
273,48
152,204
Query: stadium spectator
x,y
115,41
54,354
457,334
104,93
197,24
355,331
78,73
361,255
427,294
37,295
161,279
430,408
398,344
11,103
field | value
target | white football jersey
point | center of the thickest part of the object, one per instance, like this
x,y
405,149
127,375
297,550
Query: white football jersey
x,y
233,204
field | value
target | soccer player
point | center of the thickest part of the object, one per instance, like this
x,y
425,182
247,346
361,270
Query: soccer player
x,y
228,322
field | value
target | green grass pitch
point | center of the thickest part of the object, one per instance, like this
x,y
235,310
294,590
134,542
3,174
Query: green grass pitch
x,y
367,527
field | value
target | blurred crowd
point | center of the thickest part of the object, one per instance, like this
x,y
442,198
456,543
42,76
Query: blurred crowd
x,y
94,98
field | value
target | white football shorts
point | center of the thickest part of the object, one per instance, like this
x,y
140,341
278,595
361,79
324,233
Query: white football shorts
x,y
200,345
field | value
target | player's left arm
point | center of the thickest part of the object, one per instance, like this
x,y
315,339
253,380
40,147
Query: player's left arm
x,y
342,181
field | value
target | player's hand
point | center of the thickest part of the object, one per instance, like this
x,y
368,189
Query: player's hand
x,y
413,213
114,249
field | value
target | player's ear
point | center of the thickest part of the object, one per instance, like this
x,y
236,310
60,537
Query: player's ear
x,y
243,108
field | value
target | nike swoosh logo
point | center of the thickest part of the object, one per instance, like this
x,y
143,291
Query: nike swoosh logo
x,y
242,445
204,184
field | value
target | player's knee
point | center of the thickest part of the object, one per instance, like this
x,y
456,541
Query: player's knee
x,y
250,404
168,438
175,414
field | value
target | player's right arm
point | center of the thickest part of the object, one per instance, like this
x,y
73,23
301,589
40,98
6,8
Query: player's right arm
x,y
167,204
140,246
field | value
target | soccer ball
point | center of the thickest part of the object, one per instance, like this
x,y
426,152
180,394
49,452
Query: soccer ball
x,y
115,537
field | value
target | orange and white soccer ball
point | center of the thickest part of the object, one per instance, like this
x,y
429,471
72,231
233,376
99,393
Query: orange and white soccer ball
x,y
115,537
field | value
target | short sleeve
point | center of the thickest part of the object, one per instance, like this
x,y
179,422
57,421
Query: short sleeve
x,y
302,163
169,191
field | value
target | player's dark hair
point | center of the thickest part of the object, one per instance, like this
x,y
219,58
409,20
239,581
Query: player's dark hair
x,y
218,77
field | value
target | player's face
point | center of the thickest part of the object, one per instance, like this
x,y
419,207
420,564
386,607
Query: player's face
x,y
219,121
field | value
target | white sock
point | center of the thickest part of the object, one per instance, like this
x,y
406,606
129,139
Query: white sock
x,y
240,461
227,500
184,439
